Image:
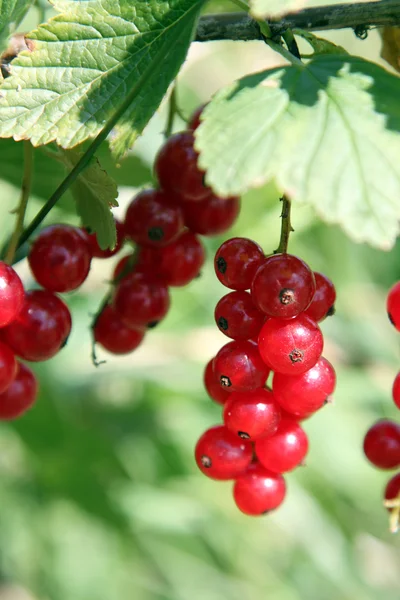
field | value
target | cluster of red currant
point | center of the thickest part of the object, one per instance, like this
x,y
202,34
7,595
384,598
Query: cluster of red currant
x,y
274,329
382,440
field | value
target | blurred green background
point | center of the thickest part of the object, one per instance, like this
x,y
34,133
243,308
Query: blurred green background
x,y
99,493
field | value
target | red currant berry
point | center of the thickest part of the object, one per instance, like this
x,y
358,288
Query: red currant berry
x,y
194,120
393,305
97,252
222,455
285,450
382,444
304,394
141,301
211,216
213,386
237,317
8,367
258,491
60,258
290,347
110,332
176,168
396,390
392,495
20,394
252,415
181,261
392,490
41,328
236,263
323,303
239,367
283,286
147,261
153,219
11,294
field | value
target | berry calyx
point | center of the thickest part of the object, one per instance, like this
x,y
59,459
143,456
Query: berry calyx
x,y
97,252
111,333
41,328
304,394
222,455
213,386
258,491
140,301
283,286
237,316
211,216
285,450
239,367
393,305
20,394
252,415
290,346
236,263
382,444
323,302
12,294
153,219
60,258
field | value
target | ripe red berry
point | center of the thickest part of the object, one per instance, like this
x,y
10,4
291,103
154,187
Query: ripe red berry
x,y
110,332
11,294
283,286
303,394
141,301
180,262
145,260
60,258
97,252
290,347
176,168
252,415
8,367
285,450
382,444
20,394
153,219
213,386
237,316
393,305
41,328
222,455
238,366
236,263
194,120
323,303
258,491
211,216
392,490
396,390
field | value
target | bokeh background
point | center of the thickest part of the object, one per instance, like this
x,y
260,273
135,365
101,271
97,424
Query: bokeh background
x,y
99,493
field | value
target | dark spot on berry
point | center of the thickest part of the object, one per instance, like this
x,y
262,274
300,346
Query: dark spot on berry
x,y
243,435
152,324
391,318
223,324
331,311
225,381
155,234
206,461
221,265
286,296
296,355
265,512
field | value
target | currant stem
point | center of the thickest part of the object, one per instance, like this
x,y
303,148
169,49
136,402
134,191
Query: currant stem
x,y
286,226
172,111
291,43
394,519
23,202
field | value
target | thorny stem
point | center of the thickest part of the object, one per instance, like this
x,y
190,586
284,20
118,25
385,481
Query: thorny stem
x,y
394,519
23,202
286,226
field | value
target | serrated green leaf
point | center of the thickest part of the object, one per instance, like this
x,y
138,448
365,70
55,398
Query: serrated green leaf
x,y
95,193
262,9
327,131
86,61
11,14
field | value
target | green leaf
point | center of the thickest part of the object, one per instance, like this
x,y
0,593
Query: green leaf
x,y
327,131
319,45
88,61
11,14
262,9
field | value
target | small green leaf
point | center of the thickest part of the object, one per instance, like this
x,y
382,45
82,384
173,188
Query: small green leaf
x,y
11,14
328,132
87,61
319,45
262,9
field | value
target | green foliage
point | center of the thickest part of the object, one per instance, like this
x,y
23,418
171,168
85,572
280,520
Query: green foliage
x,y
11,14
327,131
90,61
